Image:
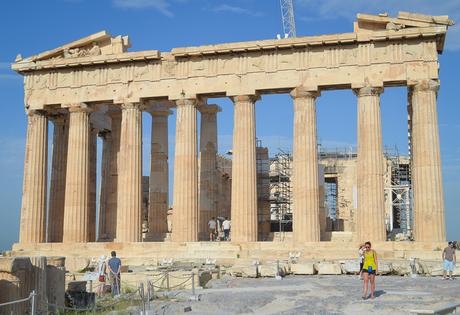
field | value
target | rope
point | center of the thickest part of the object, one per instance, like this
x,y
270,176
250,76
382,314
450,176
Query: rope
x,y
174,277
180,284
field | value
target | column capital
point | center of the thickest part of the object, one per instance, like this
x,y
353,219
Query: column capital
x,y
128,105
245,98
304,92
36,112
79,107
187,102
210,109
425,85
58,119
368,91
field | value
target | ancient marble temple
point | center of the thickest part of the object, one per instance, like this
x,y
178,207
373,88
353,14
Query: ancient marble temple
x,y
95,87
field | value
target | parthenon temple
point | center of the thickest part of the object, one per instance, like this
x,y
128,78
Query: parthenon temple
x,y
95,87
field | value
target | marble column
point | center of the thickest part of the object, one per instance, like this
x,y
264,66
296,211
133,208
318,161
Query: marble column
x,y
306,223
208,169
58,178
370,225
244,176
185,191
159,175
112,185
105,180
129,212
92,184
429,221
77,176
33,209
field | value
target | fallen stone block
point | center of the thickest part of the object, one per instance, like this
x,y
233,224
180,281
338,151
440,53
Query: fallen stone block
x,y
385,267
350,267
303,269
204,276
432,268
76,264
270,270
244,271
329,269
401,268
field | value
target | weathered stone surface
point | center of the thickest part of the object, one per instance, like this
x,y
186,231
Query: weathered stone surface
x,y
76,263
55,281
325,268
15,273
270,270
245,271
303,268
385,267
350,266
401,267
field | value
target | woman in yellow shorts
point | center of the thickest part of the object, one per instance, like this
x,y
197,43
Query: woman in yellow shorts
x,y
370,269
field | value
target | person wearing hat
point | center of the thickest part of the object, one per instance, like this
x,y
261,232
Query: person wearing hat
x,y
448,256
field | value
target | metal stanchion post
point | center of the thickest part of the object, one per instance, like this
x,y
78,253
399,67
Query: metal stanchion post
x,y
167,280
141,292
32,302
193,284
90,286
277,275
149,293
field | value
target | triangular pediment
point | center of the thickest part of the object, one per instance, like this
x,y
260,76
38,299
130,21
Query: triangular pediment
x,y
101,43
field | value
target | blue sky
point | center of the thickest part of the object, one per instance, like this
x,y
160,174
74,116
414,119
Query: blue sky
x,y
30,27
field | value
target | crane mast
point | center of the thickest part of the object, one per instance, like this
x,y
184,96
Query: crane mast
x,y
287,15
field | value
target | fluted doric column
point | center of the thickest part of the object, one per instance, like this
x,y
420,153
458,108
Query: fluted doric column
x,y
244,176
429,221
185,193
33,209
77,176
105,180
370,223
129,213
208,168
92,184
306,223
159,174
112,185
58,178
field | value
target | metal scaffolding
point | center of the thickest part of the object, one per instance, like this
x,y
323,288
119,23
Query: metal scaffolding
x,y
399,190
280,192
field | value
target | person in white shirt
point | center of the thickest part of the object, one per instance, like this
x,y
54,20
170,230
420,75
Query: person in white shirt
x,y
212,224
226,226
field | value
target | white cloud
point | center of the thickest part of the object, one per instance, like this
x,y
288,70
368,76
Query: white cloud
x,y
317,10
235,10
160,5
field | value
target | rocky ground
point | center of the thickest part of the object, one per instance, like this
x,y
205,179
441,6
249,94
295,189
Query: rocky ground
x,y
312,295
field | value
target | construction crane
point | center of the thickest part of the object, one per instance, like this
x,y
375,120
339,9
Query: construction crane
x,y
287,15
